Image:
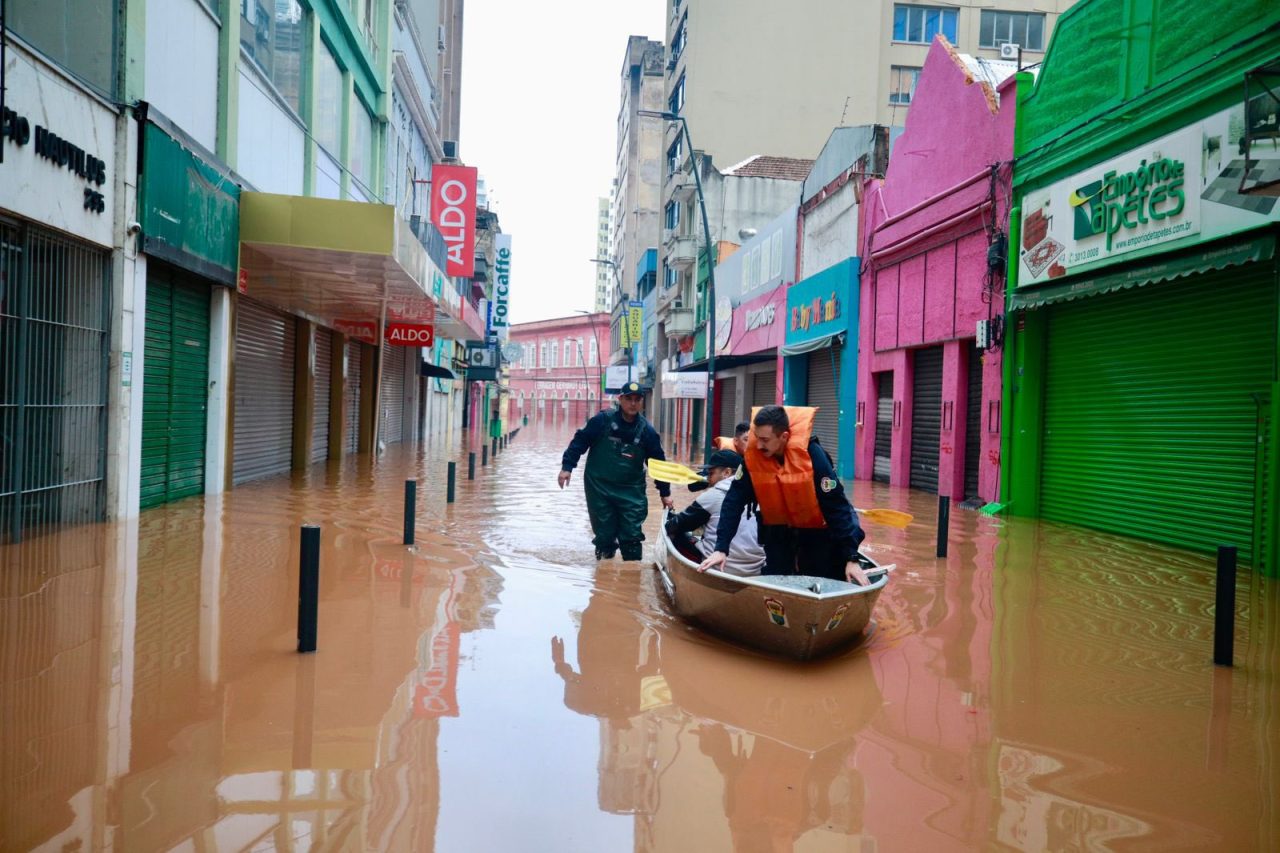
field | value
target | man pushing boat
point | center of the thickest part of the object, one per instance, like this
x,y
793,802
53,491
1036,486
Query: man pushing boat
x,y
617,443
807,525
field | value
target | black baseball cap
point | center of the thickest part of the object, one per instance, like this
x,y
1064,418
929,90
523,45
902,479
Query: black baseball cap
x,y
632,388
722,459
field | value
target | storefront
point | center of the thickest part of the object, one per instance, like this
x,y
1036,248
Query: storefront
x,y
1143,365
57,303
928,394
820,362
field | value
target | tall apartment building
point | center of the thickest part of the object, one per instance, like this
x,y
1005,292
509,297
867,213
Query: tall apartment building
x,y
637,201
604,271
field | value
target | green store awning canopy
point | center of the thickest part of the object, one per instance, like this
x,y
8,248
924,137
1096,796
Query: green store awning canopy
x,y
1215,256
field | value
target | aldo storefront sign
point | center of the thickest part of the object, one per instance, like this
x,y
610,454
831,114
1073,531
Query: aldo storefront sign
x,y
453,211
502,288
58,143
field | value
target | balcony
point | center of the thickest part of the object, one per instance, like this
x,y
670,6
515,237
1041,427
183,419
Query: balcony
x,y
681,185
682,252
679,322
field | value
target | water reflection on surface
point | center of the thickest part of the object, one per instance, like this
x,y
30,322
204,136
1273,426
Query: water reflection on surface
x,y
1042,688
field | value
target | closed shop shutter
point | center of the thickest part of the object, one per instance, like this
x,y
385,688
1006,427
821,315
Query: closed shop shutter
x,y
324,378
973,423
884,426
351,400
824,379
728,405
264,392
1150,424
392,426
175,381
926,418
763,389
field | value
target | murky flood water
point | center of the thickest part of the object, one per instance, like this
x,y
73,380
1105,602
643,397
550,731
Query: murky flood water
x,y
1042,688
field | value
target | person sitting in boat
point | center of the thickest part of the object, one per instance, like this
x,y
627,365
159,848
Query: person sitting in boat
x,y
738,444
807,525
745,556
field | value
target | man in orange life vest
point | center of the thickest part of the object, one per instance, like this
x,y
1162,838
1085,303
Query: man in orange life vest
x,y
807,525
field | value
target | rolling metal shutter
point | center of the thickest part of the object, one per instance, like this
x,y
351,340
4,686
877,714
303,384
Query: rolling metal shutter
x,y
926,418
973,423
320,413
728,405
391,428
264,392
884,426
1151,423
824,380
763,389
175,388
351,401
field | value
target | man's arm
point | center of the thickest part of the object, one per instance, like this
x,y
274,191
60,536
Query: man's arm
x,y
693,517
588,435
740,493
836,509
652,444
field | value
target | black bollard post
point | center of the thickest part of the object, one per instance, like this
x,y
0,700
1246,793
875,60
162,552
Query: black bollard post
x,y
308,587
471,466
1224,608
410,509
453,480
493,448
944,521
484,456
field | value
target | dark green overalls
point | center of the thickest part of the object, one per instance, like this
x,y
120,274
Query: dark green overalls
x,y
614,483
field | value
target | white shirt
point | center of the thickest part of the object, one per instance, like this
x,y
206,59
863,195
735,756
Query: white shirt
x,y
745,557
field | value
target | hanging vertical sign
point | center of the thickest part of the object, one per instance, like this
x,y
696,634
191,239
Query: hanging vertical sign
x,y
635,322
453,212
501,292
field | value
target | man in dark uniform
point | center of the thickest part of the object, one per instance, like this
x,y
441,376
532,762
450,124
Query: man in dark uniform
x,y
619,442
807,525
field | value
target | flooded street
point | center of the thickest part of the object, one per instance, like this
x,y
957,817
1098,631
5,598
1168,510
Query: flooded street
x,y
1042,688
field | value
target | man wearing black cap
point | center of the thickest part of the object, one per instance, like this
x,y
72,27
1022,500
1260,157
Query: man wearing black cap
x,y
745,556
617,443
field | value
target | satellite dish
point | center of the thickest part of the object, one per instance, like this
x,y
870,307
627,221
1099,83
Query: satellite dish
x,y
512,351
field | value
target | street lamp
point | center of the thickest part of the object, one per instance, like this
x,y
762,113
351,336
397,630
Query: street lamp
x,y
617,280
711,271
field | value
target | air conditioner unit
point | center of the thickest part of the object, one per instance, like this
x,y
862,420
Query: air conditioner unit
x,y
1010,51
480,358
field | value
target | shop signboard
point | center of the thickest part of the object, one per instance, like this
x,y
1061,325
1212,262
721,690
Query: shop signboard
x,y
453,212
410,334
684,386
757,325
502,287
635,322
617,375
362,330
821,305
1172,192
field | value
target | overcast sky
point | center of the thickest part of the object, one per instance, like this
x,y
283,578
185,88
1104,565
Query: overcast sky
x,y
540,95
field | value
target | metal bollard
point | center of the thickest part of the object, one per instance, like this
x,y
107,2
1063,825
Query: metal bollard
x,y
471,466
1224,608
944,521
410,509
484,456
493,448
453,480
308,587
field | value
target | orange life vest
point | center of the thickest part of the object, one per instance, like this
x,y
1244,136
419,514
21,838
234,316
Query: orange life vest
x,y
786,493
722,442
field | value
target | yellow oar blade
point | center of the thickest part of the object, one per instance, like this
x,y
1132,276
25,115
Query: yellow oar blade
x,y
891,517
673,472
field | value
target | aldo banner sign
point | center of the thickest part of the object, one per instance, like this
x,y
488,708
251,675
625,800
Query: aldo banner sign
x,y
453,211
410,334
502,264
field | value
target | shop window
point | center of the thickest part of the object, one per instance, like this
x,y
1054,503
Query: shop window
x,y
79,36
327,121
902,83
919,24
272,33
1025,29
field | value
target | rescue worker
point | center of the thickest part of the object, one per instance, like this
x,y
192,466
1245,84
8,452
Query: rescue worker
x,y
807,525
738,444
746,557
617,443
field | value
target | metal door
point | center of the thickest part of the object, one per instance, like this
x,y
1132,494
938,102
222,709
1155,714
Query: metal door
x,y
351,399
265,340
764,391
728,405
824,382
973,424
926,418
324,381
884,427
391,424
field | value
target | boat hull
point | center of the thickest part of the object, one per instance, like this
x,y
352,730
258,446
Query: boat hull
x,y
792,616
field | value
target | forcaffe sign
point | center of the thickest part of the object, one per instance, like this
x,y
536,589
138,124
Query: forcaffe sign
x,y
502,290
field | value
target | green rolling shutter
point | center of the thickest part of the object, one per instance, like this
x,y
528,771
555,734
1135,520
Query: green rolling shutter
x,y
175,383
1151,420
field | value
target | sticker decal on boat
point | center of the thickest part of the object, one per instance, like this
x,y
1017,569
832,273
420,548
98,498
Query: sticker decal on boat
x,y
837,617
777,611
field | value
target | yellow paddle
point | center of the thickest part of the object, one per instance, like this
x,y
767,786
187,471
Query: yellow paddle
x,y
680,475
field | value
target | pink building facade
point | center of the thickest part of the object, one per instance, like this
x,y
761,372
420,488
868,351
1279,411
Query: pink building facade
x,y
558,377
932,237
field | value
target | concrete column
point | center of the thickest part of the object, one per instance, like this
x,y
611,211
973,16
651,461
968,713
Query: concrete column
x,y
218,408
951,436
304,392
900,455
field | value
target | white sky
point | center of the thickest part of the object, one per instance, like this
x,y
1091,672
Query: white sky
x,y
540,97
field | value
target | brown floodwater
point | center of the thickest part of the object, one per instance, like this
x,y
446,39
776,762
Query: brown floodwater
x,y
1042,688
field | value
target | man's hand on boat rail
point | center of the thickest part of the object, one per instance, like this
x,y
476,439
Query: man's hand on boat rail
x,y
853,573
715,561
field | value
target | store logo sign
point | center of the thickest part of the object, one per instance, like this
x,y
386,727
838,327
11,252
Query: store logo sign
x,y
61,153
453,212
1129,200
758,317
813,313
502,290
410,334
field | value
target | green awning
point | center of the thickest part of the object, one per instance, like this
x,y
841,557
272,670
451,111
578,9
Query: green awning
x,y
1215,256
